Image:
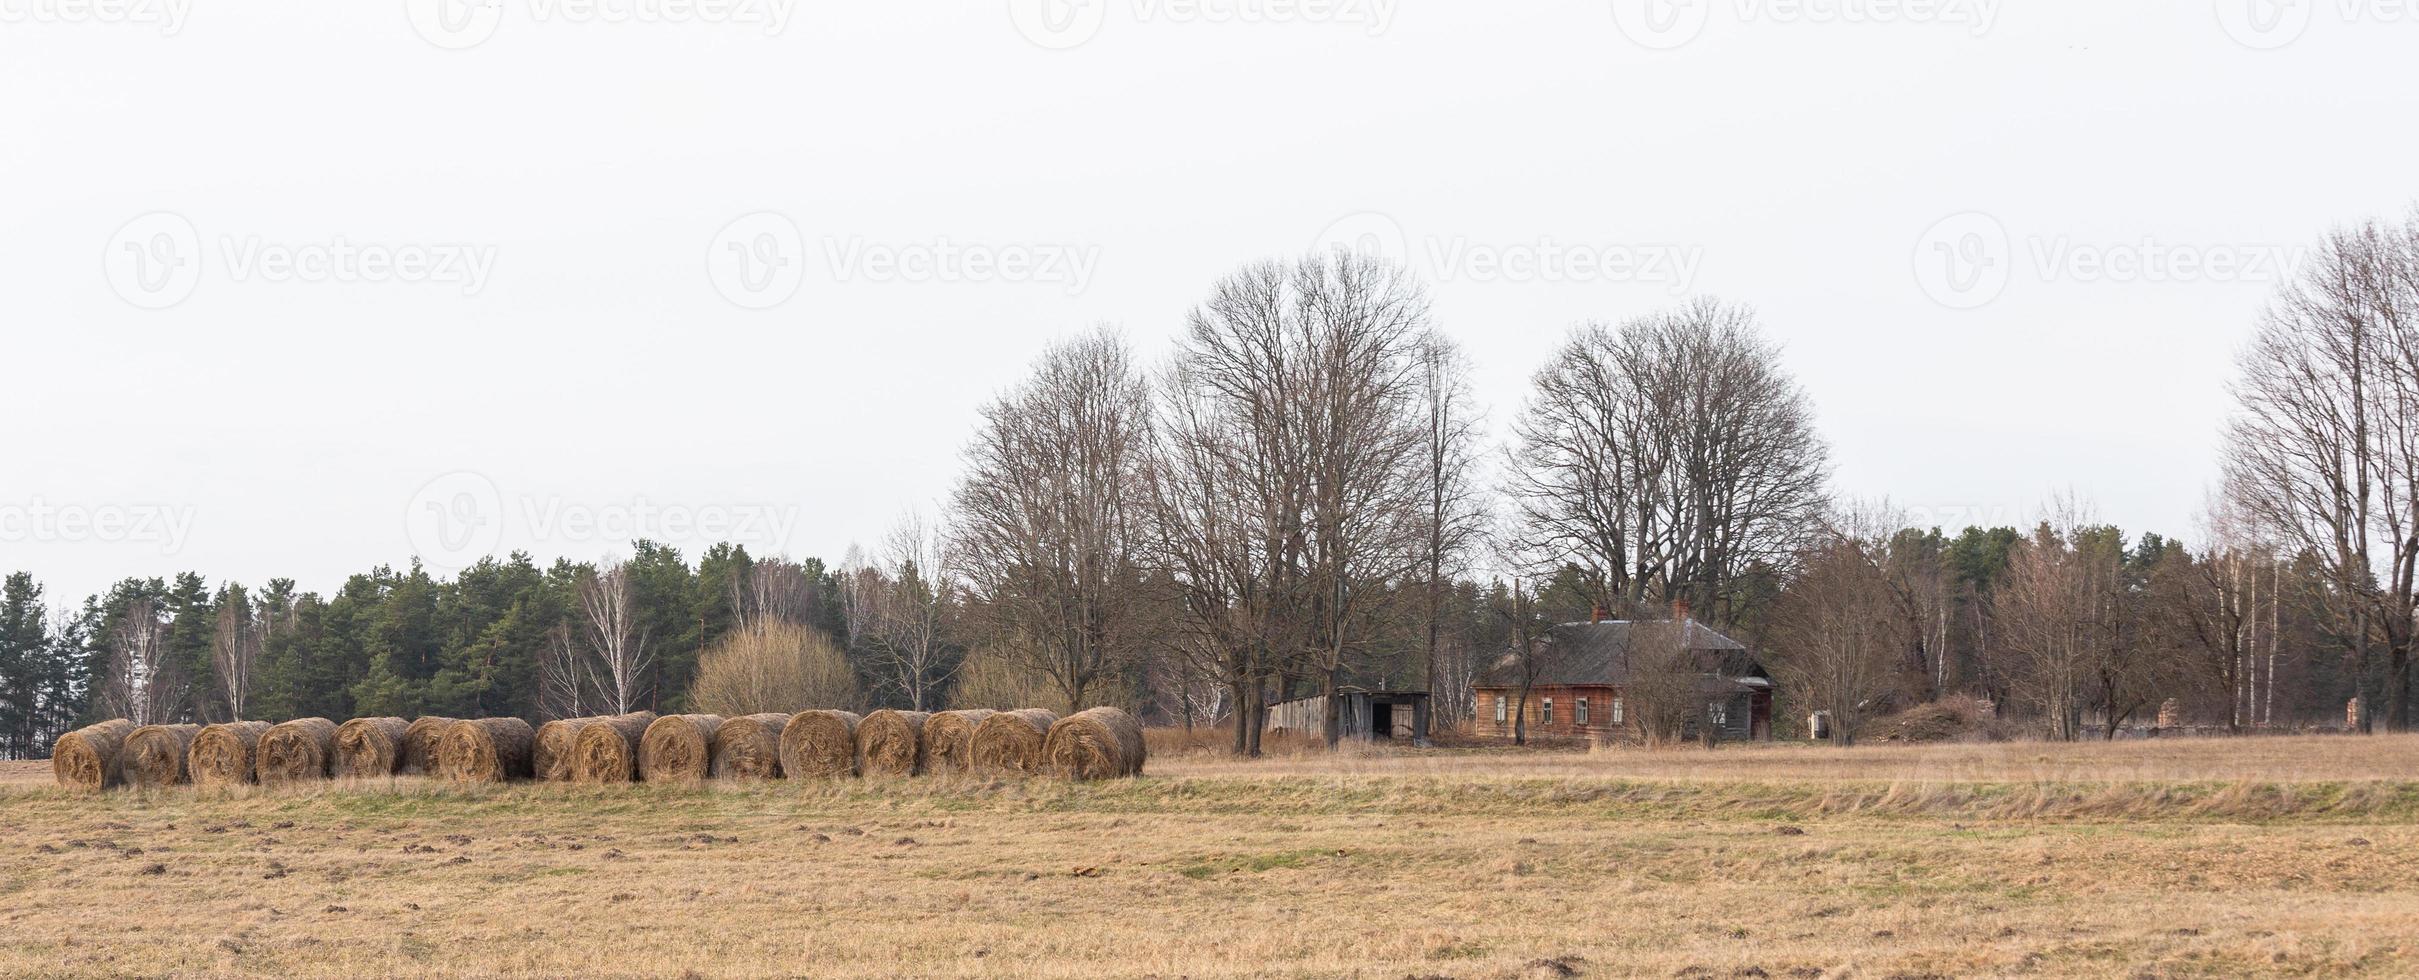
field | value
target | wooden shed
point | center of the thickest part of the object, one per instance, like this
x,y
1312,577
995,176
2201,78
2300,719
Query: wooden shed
x,y
1370,715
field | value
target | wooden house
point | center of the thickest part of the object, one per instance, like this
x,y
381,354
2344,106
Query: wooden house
x,y
1578,692
1373,715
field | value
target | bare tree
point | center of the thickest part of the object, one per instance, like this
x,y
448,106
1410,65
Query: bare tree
x,y
1841,625
563,675
1047,516
617,645
142,683
773,590
1668,456
2323,452
237,638
912,606
1454,515
1286,484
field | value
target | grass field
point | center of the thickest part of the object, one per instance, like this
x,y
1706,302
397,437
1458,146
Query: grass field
x,y
2216,858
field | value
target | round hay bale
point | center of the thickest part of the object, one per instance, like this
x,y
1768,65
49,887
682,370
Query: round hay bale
x,y
155,755
225,754
606,751
1010,742
1095,743
298,751
89,758
550,754
420,744
749,746
949,739
891,742
820,743
370,748
485,750
678,748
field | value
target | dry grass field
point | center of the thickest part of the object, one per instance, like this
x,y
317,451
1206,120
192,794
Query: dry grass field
x,y
2253,857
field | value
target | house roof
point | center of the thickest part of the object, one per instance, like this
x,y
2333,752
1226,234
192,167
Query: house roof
x,y
1598,653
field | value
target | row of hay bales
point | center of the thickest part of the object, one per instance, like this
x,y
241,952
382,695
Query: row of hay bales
x,y
1097,743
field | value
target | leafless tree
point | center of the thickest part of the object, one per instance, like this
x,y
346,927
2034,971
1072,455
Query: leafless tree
x,y
619,656
563,675
1455,515
142,683
2323,452
1285,477
1047,516
773,590
911,607
1841,625
1667,456
2068,621
237,638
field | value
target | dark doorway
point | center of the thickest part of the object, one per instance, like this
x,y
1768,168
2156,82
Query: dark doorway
x,y
1381,721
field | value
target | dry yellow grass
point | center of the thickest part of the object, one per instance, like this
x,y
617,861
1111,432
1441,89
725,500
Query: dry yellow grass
x,y
2213,859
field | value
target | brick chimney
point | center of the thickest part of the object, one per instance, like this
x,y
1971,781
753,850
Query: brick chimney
x,y
1679,610
1597,614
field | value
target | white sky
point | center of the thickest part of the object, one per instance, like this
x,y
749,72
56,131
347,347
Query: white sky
x,y
1800,158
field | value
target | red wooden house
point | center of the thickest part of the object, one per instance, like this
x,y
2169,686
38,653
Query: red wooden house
x,y
1578,690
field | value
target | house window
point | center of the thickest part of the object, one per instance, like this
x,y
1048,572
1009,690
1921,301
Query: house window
x,y
1500,713
1717,712
1616,711
1545,712
1579,713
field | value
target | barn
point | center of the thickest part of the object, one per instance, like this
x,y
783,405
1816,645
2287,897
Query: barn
x,y
1585,668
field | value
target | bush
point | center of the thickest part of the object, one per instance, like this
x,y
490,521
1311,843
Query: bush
x,y
773,666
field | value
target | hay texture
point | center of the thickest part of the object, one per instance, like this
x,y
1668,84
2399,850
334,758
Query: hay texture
x,y
949,740
550,755
225,754
155,755
298,751
678,748
1095,743
486,750
1010,742
370,748
420,744
89,758
606,749
820,744
749,746
891,743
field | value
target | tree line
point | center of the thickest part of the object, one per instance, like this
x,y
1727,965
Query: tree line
x,y
1304,496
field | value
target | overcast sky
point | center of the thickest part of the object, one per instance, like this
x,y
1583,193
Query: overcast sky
x,y
298,289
